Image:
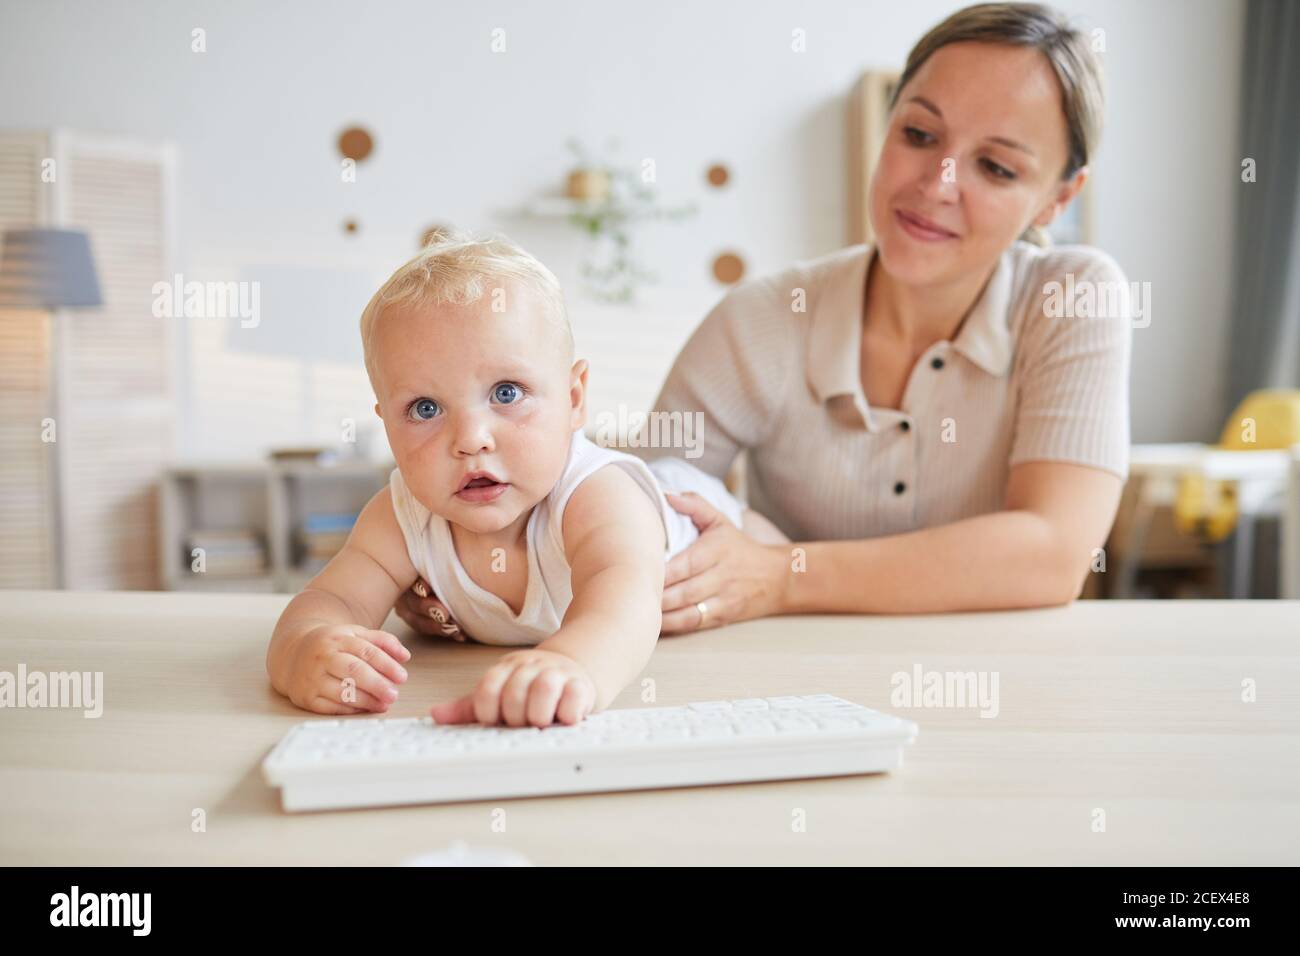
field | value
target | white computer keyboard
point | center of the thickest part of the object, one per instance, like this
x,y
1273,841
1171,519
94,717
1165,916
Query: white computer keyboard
x,y
367,762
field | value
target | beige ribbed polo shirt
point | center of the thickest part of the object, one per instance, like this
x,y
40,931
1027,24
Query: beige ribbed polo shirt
x,y
1017,384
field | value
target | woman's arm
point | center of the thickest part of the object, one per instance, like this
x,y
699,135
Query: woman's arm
x,y
1065,475
1036,552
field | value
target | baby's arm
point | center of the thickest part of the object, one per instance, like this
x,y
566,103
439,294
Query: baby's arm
x,y
326,654
614,543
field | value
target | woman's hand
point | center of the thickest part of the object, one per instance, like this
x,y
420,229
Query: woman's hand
x,y
733,576
420,608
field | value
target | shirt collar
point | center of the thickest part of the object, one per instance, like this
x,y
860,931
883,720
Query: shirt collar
x,y
835,338
985,337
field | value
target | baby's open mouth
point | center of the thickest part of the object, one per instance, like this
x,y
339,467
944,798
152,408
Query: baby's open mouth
x,y
480,486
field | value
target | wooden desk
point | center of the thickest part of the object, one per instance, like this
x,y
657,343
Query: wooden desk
x,y
1132,708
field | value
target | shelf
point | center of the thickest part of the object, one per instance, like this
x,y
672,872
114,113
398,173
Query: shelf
x,y
262,583
561,207
270,499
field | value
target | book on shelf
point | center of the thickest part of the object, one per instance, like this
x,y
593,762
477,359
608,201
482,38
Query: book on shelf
x,y
230,539
311,566
323,523
323,535
227,552
250,566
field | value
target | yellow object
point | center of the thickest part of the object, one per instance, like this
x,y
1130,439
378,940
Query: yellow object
x,y
1265,420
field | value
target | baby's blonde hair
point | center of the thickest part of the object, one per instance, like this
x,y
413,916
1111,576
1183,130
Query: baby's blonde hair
x,y
456,268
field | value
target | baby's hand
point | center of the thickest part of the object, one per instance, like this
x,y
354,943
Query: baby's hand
x,y
530,687
345,669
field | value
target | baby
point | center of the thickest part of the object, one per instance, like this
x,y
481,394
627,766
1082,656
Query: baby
x,y
530,533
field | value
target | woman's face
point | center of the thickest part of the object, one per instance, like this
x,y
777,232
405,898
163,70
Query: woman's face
x,y
976,145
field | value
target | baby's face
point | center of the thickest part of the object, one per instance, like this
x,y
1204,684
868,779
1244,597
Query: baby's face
x,y
463,389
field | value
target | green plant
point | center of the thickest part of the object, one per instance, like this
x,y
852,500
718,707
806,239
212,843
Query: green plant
x,y
612,271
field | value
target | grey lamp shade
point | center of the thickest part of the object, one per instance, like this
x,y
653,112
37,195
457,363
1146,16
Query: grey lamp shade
x,y
47,269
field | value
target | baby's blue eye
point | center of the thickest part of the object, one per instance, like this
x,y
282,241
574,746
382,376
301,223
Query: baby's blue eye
x,y
424,408
506,393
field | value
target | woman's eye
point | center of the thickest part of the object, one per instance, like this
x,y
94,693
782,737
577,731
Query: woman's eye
x,y
507,393
423,409
1000,172
921,138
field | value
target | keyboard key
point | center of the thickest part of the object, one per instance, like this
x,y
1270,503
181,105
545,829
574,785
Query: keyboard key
x,y
786,703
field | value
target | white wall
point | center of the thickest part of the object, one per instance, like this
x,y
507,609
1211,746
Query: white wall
x,y
465,135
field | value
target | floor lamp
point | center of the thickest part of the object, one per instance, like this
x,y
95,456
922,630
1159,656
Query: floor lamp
x,y
49,269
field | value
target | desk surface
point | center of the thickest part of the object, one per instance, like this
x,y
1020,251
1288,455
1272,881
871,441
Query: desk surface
x,y
1133,709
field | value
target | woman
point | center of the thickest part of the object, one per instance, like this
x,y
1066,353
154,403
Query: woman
x,y
925,417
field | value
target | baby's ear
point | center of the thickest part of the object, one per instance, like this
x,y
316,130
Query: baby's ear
x,y
578,393
378,412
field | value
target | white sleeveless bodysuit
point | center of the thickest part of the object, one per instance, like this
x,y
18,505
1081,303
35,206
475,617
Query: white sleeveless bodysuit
x,y
487,618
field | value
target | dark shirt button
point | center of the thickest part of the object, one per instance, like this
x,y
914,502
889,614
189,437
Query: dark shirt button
x,y
936,363
904,425
899,488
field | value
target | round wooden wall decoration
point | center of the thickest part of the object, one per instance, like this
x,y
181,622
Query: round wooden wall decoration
x,y
718,175
728,268
356,143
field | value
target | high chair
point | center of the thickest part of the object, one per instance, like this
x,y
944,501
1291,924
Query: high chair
x,y
1212,491
1265,420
